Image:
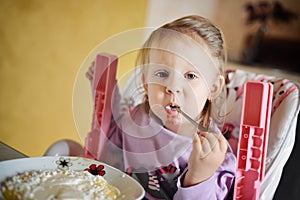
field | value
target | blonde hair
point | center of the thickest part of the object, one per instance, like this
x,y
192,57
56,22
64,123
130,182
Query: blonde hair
x,y
206,34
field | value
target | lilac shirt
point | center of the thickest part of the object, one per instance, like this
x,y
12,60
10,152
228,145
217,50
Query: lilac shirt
x,y
139,141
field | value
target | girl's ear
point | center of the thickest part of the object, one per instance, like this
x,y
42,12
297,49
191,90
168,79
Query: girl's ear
x,y
217,87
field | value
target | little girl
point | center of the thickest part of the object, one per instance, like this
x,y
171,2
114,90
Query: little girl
x,y
181,67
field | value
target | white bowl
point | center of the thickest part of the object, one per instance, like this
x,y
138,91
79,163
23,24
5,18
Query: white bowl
x,y
129,188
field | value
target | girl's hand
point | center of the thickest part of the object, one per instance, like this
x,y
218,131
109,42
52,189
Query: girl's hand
x,y
208,153
90,73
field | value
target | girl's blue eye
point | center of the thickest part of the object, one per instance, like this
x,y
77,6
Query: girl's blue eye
x,y
191,76
161,74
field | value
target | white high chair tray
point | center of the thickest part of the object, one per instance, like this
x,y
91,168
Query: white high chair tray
x,y
129,188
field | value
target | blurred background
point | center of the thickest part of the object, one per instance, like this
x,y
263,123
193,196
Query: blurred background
x,y
43,43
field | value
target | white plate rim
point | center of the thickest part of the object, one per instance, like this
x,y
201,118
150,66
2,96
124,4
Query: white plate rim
x,y
129,188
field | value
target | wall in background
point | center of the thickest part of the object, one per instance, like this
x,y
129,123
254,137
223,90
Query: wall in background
x,y
42,45
229,15
161,12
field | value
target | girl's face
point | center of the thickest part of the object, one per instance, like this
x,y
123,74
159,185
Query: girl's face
x,y
179,74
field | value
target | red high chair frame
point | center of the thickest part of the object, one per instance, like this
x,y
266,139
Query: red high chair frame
x,y
254,128
253,139
103,83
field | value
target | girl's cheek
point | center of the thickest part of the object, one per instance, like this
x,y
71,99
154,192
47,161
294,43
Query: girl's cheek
x,y
196,103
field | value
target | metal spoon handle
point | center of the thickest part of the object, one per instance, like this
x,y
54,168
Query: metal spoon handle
x,y
197,125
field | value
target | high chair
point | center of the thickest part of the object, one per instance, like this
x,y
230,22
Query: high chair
x,y
283,114
282,130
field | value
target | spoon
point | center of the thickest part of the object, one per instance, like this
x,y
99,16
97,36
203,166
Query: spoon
x,y
198,126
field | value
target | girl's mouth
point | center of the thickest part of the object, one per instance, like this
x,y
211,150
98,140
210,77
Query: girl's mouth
x,y
171,109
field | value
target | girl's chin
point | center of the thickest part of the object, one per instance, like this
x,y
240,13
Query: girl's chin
x,y
172,123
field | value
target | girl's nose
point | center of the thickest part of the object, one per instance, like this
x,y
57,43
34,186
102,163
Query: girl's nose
x,y
173,86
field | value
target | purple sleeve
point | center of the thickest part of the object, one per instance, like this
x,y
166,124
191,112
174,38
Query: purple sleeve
x,y
216,187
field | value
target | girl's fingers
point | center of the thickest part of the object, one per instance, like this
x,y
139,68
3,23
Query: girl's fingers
x,y
205,143
212,138
89,74
205,147
92,67
223,143
196,143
